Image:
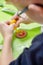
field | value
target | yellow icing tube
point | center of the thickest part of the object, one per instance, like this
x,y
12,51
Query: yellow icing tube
x,y
13,21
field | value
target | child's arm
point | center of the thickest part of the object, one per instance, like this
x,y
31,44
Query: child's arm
x,y
7,31
6,56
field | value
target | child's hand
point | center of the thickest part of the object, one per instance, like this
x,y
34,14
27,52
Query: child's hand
x,y
36,13
6,30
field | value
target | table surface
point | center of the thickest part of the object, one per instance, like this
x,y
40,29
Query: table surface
x,y
18,44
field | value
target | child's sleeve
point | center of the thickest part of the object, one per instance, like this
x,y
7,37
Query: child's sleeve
x,y
32,55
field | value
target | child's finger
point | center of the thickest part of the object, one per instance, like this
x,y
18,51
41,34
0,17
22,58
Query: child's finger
x,y
18,22
12,26
7,22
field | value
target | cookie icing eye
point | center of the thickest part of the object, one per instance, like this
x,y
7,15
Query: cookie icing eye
x,y
21,34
